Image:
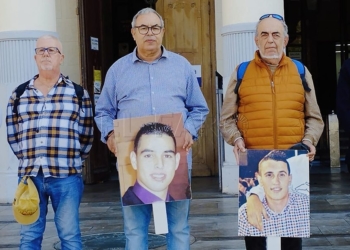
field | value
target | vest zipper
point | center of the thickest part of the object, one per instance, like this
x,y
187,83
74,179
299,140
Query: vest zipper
x,y
274,111
273,87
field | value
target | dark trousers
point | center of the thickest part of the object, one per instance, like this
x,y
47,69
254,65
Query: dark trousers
x,y
259,243
347,154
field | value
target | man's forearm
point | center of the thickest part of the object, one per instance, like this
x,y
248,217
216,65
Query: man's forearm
x,y
228,126
257,190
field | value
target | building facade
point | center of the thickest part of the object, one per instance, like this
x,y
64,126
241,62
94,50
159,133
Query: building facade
x,y
214,35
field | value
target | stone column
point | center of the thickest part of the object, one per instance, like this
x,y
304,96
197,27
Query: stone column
x,y
21,23
334,147
239,20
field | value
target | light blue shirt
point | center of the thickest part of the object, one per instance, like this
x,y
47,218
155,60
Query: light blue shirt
x,y
135,88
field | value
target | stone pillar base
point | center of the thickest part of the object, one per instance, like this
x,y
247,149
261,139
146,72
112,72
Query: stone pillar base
x,y
230,178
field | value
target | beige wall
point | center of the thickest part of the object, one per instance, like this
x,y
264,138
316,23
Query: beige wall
x,y
19,15
68,31
238,11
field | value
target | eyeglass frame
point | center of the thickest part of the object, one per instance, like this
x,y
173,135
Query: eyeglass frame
x,y
47,49
276,16
149,28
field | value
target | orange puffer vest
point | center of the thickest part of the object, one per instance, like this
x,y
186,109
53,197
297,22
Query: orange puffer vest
x,y
271,107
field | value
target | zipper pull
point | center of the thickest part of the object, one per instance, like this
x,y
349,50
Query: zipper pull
x,y
273,87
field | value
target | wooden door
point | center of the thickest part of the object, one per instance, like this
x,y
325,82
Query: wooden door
x,y
97,166
109,21
189,31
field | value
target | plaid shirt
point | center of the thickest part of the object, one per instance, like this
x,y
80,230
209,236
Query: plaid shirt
x,y
293,221
50,132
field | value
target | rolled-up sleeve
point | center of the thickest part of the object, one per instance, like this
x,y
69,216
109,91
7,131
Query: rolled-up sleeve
x,y
228,126
106,108
12,126
86,126
196,105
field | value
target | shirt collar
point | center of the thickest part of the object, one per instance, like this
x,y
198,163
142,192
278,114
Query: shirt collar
x,y
60,79
135,58
270,212
145,196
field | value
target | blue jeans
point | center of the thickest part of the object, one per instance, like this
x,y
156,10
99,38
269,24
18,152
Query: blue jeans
x,y
137,219
65,195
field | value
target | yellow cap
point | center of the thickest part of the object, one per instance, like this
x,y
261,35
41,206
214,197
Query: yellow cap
x,y
25,205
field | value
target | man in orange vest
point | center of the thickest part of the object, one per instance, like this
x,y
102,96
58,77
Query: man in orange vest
x,y
343,103
270,109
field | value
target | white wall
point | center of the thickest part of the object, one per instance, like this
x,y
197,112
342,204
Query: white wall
x,y
21,23
219,42
238,25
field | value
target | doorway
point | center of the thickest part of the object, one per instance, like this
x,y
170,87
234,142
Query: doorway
x,y
105,37
319,32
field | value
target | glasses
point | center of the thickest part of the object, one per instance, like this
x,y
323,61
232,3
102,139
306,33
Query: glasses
x,y
143,29
50,50
276,16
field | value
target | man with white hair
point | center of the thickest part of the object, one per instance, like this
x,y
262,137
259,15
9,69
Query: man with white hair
x,y
152,81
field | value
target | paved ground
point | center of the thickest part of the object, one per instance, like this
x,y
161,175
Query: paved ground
x,y
213,217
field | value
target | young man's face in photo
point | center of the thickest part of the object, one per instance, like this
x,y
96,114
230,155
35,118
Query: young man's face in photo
x,y
156,161
275,179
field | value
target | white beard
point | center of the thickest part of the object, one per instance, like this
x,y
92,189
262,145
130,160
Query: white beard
x,y
270,57
46,67
276,56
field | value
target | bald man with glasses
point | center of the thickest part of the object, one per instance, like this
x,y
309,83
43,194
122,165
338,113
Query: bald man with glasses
x,y
270,108
50,130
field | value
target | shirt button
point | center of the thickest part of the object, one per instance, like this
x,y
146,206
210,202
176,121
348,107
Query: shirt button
x,y
152,92
152,78
153,108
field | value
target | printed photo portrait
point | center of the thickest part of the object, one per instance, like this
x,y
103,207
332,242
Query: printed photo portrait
x,y
280,179
152,166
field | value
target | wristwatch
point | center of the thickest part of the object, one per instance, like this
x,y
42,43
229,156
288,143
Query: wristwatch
x,y
109,134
